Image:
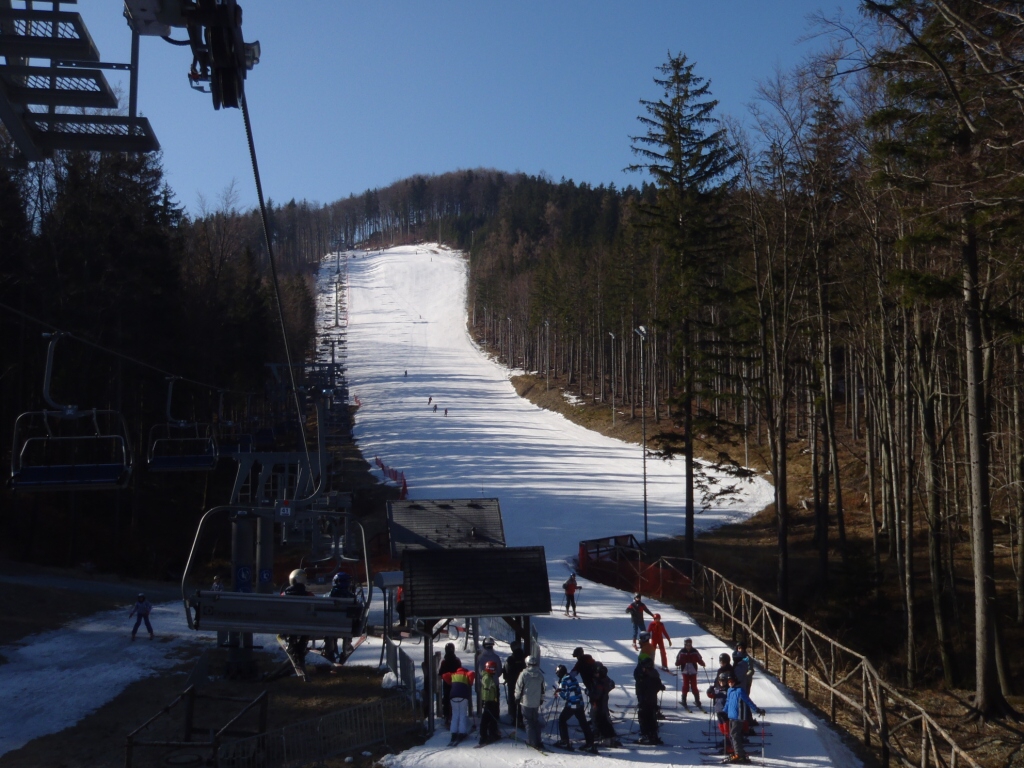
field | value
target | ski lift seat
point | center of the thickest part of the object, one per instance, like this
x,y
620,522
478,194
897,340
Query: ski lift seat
x,y
71,450
232,445
182,447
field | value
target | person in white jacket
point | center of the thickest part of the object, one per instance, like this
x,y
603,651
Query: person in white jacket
x,y
529,693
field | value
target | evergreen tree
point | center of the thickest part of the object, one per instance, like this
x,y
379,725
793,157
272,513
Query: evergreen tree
x,y
686,152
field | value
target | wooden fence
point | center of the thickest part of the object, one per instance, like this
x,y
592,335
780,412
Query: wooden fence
x,y
839,681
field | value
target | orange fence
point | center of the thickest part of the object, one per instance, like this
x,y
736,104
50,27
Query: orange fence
x,y
618,562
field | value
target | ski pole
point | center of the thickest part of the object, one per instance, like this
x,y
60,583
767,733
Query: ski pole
x,y
762,736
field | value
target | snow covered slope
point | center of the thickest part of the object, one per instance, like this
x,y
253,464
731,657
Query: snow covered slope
x,y
557,483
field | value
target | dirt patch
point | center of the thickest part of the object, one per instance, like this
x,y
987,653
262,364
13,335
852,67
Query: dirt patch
x,y
99,739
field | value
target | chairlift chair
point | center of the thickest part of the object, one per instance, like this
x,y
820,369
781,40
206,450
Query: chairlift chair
x,y
66,448
180,445
232,437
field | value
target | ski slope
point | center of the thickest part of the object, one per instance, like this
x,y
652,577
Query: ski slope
x,y
557,482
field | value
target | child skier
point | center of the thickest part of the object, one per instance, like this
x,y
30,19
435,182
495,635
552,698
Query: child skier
x,y
489,699
737,722
689,659
569,691
141,611
718,692
659,634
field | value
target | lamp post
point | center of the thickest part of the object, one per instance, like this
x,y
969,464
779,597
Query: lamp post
x,y
642,333
547,355
511,360
613,376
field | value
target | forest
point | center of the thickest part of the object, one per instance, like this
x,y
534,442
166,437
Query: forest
x,y
832,280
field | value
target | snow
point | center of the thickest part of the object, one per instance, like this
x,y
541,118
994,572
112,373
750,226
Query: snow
x,y
557,483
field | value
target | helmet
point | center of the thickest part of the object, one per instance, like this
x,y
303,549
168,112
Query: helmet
x,y
449,648
741,645
488,642
491,667
645,635
298,576
687,641
724,658
637,596
141,596
572,575
339,577
657,617
561,671
577,653
217,577
723,676
515,645
532,661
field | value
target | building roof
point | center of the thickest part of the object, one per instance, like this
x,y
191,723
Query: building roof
x,y
475,582
444,524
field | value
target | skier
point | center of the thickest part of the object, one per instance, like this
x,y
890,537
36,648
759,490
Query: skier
x,y
485,654
636,611
514,666
646,648
571,588
689,659
430,400
341,586
648,686
717,693
603,686
296,645
743,671
734,702
445,411
725,665
449,663
569,691
584,669
489,696
435,407
400,605
218,584
659,634
461,682
529,694
141,611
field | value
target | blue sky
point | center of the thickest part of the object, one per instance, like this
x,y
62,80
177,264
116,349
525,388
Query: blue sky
x,y
350,96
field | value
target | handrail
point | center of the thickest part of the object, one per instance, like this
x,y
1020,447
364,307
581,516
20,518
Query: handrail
x,y
903,728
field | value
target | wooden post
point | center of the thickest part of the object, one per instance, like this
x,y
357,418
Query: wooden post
x,y
864,703
831,685
803,662
883,725
782,654
764,635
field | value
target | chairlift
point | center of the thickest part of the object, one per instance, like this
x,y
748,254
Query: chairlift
x,y
67,448
180,445
232,437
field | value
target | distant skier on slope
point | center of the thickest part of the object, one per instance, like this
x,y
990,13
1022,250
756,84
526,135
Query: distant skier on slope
x,y
571,588
141,611
636,611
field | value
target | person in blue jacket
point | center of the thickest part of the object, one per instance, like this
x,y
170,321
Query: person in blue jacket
x,y
569,691
737,720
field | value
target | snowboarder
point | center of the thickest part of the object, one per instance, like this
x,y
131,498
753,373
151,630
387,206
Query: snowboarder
x,y
636,611
689,659
734,702
141,611
489,697
571,588
603,686
648,686
529,694
514,666
461,682
659,634
449,663
569,691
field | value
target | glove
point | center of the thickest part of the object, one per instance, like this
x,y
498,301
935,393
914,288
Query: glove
x,y
669,643
760,713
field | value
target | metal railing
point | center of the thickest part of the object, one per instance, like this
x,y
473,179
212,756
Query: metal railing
x,y
839,681
320,738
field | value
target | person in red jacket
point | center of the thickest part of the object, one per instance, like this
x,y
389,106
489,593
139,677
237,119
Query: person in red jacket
x,y
461,682
571,588
689,659
659,634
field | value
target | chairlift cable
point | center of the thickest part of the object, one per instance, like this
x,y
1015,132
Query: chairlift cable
x,y
121,355
273,273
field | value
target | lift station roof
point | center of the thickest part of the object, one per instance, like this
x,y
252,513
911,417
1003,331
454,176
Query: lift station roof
x,y
444,524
